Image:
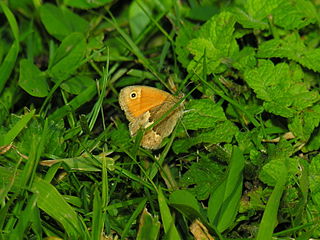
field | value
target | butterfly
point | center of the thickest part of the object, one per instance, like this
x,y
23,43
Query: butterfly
x,y
143,106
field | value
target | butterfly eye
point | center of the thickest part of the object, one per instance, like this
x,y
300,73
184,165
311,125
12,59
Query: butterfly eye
x,y
133,95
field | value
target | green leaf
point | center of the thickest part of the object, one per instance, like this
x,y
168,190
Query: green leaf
x,y
84,4
32,80
138,19
294,14
77,84
245,59
149,226
222,132
224,201
166,217
186,203
68,56
281,87
16,129
202,177
280,162
203,12
314,179
184,35
54,141
61,22
293,48
269,218
314,143
49,200
8,64
202,113
303,124
216,38
255,13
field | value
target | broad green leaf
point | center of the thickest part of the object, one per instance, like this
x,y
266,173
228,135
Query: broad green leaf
x,y
138,19
202,113
54,143
216,38
84,4
245,59
303,124
280,161
149,226
166,217
314,142
292,47
221,132
187,204
224,201
294,15
184,35
202,12
61,22
32,80
281,87
314,179
68,56
201,177
77,84
255,13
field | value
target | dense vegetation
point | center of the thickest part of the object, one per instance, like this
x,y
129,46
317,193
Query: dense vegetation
x,y
243,160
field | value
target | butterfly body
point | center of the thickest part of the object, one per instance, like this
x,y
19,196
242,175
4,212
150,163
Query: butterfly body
x,y
143,106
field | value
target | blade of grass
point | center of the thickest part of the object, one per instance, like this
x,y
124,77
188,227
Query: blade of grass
x,y
133,217
17,128
166,217
10,60
74,104
136,50
269,218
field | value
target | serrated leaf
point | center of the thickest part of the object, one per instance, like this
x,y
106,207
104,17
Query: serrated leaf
x,y
245,59
32,80
255,12
202,176
68,56
216,38
293,48
303,124
281,87
280,163
54,142
184,35
61,22
202,113
223,132
294,15
314,179
120,136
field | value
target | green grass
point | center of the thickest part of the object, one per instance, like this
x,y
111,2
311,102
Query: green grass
x,y
243,160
